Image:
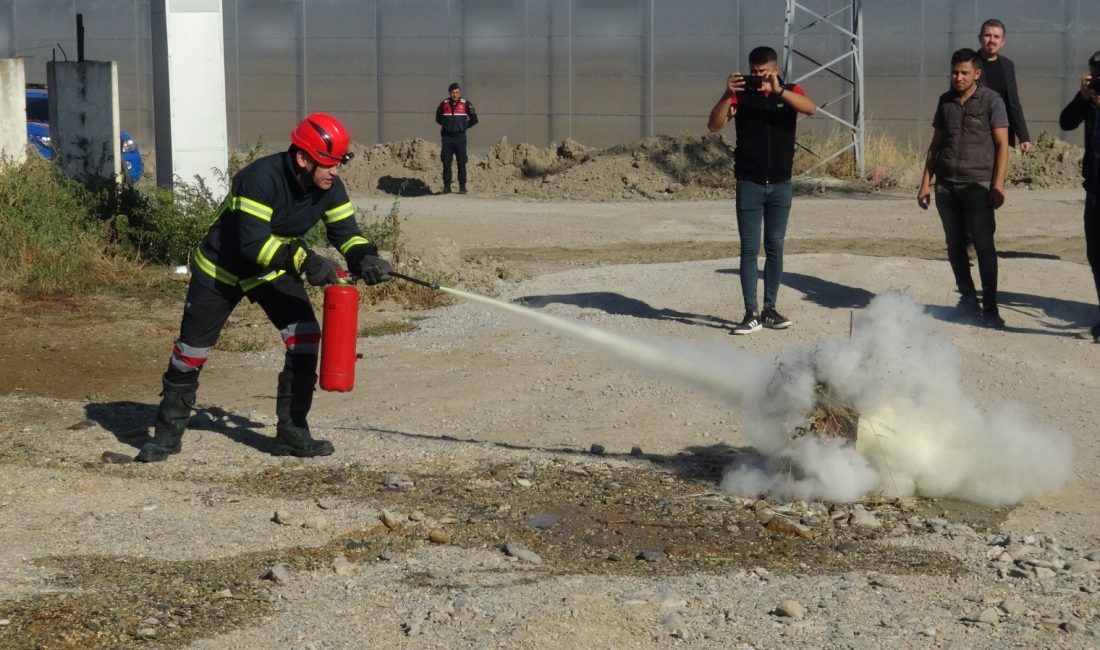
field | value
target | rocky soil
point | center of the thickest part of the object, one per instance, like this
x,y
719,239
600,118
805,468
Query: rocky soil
x,y
498,485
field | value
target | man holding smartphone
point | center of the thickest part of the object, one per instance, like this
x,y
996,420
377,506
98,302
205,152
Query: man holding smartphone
x,y
765,112
1085,107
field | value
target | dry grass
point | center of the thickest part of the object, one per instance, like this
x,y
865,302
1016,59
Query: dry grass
x,y
885,158
406,294
386,328
830,417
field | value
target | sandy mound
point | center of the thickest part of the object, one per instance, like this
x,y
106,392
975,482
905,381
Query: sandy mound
x,y
659,167
1051,163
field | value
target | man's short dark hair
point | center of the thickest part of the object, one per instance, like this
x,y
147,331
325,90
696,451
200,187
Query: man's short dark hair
x,y
762,55
993,22
966,55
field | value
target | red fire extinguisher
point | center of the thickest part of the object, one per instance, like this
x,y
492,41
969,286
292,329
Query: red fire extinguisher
x,y
339,324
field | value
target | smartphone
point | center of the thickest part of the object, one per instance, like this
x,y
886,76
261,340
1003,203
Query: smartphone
x,y
1094,85
753,81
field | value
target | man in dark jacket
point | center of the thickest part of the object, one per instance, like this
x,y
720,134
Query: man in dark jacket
x,y
454,115
1085,107
765,111
999,74
254,249
967,158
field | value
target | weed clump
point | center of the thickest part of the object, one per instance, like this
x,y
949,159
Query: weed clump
x,y
50,242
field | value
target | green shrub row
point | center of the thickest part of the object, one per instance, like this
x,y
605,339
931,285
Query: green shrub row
x,y
58,236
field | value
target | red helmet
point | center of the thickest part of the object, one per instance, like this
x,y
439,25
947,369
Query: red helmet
x,y
323,138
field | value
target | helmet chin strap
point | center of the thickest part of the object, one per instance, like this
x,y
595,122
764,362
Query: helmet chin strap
x,y
305,174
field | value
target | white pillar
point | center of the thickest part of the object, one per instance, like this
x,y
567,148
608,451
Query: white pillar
x,y
189,91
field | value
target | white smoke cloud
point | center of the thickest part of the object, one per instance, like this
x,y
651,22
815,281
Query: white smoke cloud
x,y
920,432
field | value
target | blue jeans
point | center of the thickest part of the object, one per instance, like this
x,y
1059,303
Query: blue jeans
x,y
762,207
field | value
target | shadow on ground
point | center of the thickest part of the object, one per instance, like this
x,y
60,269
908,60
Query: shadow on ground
x,y
825,293
1064,317
620,305
403,186
131,423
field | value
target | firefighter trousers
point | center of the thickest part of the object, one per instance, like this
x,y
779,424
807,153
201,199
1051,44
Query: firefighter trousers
x,y
209,305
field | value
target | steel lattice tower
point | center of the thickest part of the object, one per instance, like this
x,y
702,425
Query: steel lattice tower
x,y
847,66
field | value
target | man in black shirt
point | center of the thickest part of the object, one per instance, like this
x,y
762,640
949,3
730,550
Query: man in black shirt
x,y
999,74
1085,108
765,112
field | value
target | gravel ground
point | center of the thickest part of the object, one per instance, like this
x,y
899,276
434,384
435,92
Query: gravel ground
x,y
499,485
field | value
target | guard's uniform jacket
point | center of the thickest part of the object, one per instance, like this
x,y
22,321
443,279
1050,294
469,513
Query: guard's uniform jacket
x,y
765,124
455,117
254,237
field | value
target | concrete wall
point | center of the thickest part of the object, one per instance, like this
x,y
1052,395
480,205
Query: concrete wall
x,y
13,116
84,118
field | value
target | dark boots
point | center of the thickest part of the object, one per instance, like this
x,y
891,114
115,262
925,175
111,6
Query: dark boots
x,y
292,403
177,401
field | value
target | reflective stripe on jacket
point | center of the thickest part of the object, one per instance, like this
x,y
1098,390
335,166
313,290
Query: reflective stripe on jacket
x,y
254,234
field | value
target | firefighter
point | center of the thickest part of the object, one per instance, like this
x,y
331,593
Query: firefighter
x,y
254,250
454,115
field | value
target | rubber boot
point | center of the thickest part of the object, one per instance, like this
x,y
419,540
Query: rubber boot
x,y
177,401
292,403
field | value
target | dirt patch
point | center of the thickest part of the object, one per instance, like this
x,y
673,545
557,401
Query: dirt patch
x,y
633,522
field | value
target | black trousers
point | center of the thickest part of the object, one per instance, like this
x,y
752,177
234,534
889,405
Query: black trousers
x,y
966,216
1092,236
209,305
454,146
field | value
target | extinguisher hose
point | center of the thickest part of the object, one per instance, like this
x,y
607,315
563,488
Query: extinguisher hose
x,y
409,278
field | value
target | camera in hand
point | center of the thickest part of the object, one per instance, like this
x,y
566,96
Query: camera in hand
x,y
1094,84
753,82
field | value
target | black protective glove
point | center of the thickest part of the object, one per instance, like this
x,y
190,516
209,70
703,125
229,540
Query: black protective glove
x,y
320,270
374,269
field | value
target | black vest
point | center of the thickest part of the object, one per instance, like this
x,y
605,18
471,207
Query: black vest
x,y
765,137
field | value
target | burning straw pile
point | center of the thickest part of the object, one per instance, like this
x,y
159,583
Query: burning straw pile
x,y
830,417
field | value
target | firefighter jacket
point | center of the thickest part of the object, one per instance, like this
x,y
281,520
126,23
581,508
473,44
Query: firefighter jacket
x,y
455,117
765,124
256,233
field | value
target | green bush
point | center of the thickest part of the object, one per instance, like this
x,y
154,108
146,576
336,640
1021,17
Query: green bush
x,y
162,225
58,236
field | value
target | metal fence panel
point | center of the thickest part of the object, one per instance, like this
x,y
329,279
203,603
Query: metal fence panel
x,y
601,71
